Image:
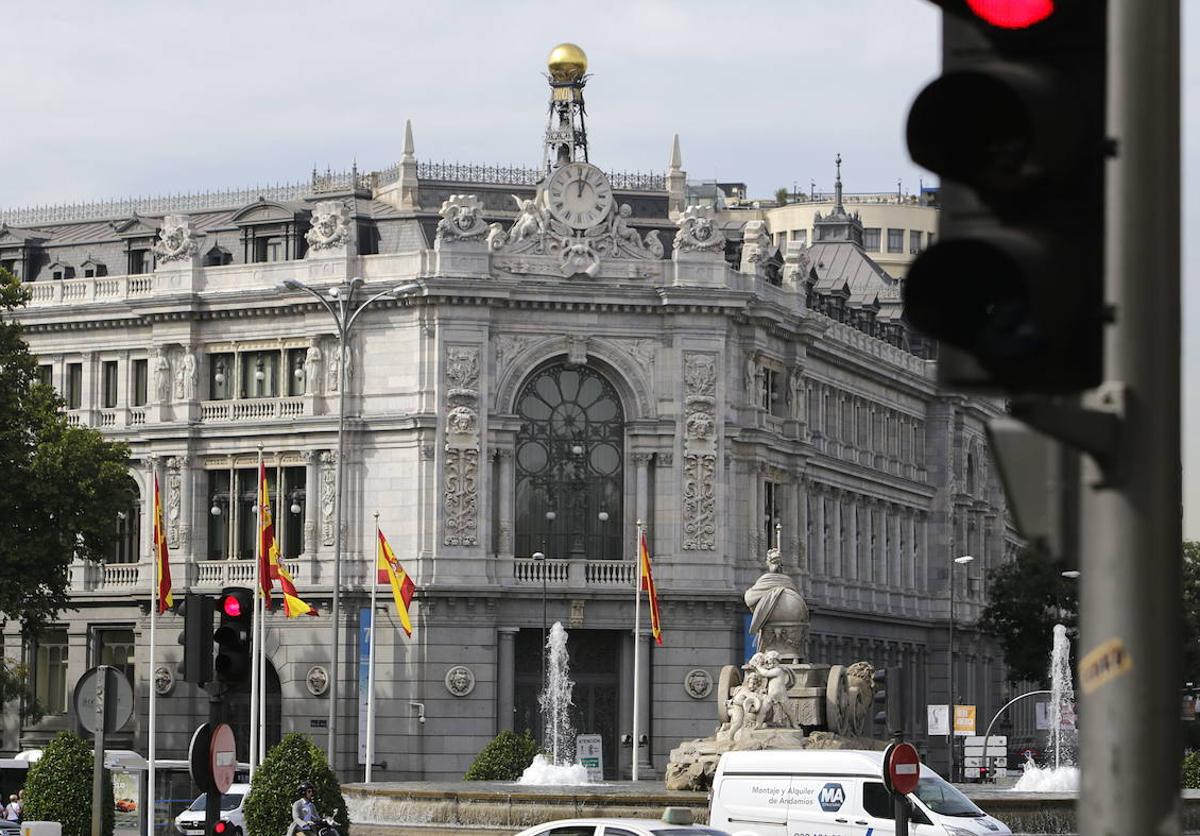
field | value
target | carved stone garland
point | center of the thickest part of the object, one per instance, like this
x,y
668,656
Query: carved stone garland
x,y
175,468
328,495
699,452
461,495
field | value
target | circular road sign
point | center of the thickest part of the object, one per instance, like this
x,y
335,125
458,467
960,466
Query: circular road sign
x,y
199,757
222,757
901,768
118,699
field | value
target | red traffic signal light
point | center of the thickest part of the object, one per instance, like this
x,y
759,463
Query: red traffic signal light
x,y
221,828
233,638
1012,14
231,605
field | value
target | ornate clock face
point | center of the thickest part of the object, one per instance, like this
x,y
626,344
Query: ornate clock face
x,y
579,195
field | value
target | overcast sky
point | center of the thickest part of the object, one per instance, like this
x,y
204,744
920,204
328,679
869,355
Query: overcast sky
x,y
125,97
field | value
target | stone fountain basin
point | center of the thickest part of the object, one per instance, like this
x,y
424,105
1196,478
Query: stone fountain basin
x,y
486,808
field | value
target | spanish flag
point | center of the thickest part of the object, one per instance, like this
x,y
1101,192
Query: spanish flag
x,y
648,585
161,558
389,571
276,570
266,536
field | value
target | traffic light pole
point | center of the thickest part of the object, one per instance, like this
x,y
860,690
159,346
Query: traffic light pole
x,y
216,716
1131,529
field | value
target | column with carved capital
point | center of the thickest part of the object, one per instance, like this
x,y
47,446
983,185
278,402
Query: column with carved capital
x,y
506,677
312,500
852,526
818,564
179,508
803,558
880,557
835,535
506,485
641,462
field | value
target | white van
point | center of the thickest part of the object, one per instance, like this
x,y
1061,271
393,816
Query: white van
x,y
834,793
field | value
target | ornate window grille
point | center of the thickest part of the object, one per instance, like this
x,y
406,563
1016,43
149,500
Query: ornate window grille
x,y
570,460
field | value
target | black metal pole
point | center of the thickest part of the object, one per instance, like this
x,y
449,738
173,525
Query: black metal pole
x,y
212,800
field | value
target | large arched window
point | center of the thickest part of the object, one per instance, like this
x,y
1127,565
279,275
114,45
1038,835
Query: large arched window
x,y
570,454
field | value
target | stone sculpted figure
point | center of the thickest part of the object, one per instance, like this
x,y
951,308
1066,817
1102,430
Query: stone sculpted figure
x,y
780,615
778,679
162,375
185,377
312,370
530,224
746,704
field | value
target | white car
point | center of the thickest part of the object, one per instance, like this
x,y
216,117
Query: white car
x,y
191,821
676,821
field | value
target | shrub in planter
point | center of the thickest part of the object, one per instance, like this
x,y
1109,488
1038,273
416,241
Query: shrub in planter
x,y
268,807
1191,769
504,758
59,787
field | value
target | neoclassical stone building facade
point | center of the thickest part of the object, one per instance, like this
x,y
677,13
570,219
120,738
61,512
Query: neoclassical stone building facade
x,y
562,340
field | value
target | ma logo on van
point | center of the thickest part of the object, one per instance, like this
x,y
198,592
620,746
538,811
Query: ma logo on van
x,y
831,797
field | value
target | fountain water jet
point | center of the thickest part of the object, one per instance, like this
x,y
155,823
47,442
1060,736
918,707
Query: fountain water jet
x,y
1063,776
556,766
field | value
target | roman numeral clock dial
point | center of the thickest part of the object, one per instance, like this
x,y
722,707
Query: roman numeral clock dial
x,y
579,195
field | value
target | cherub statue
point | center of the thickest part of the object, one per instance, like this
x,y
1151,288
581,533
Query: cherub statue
x,y
779,679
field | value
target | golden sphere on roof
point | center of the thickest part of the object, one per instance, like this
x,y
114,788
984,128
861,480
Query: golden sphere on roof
x,y
567,62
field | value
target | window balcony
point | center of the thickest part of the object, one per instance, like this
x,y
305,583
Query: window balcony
x,y
573,574
216,574
91,289
255,409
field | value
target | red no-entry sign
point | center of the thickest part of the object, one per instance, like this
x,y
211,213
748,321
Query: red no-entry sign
x,y
901,768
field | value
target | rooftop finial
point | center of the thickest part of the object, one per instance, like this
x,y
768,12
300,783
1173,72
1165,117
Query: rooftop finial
x,y
408,140
837,187
676,157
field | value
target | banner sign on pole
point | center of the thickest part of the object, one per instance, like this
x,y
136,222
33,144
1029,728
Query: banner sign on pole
x,y
964,720
364,672
938,719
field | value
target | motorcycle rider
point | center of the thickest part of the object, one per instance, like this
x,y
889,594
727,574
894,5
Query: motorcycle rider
x,y
304,811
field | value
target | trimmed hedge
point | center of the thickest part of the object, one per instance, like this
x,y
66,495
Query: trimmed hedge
x,y
59,787
268,807
504,758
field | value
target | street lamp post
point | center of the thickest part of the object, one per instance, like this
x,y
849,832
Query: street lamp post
x,y
961,561
340,303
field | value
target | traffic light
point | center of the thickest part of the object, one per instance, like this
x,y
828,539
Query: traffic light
x,y
233,661
1015,128
197,638
222,828
889,702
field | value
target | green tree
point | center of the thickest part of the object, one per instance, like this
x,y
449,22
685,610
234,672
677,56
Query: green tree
x,y
64,487
268,807
504,758
782,195
1026,598
59,787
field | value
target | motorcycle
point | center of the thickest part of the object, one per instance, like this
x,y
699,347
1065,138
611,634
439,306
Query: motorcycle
x,y
326,827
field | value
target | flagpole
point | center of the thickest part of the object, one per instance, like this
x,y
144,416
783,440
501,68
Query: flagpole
x,y
150,753
371,659
262,629
637,630
254,640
